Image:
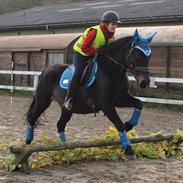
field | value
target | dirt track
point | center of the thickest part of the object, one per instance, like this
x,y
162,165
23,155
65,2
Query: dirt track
x,y
84,126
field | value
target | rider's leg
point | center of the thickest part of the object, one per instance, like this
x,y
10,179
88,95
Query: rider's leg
x,y
79,62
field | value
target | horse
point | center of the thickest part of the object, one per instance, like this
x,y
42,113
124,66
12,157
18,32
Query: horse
x,y
110,89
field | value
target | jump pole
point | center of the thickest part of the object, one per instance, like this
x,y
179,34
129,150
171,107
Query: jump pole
x,y
23,153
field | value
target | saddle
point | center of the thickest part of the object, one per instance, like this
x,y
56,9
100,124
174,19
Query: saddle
x,y
87,78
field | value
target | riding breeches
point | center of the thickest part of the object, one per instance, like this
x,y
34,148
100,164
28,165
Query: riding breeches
x,y
79,62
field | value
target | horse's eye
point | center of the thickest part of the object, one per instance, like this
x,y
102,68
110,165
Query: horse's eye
x,y
138,54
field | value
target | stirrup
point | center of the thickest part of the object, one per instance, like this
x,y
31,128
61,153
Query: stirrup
x,y
68,104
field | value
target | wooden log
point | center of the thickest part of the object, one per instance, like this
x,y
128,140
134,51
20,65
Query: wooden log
x,y
23,153
53,147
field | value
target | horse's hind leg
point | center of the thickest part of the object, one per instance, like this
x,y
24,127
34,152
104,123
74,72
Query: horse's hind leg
x,y
38,106
61,124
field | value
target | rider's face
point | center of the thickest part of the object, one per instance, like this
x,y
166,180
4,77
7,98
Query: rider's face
x,y
111,27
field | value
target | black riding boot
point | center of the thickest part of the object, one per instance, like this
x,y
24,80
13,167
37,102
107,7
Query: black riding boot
x,y
80,63
70,93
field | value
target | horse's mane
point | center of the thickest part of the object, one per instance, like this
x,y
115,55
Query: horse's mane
x,y
119,43
116,50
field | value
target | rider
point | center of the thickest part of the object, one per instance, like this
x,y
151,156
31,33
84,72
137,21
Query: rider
x,y
87,47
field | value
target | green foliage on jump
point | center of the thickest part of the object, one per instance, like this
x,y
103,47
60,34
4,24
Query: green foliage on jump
x,y
153,150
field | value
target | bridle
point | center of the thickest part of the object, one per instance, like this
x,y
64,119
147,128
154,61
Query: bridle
x,y
133,69
131,64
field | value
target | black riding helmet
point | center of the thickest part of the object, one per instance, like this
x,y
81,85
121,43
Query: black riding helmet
x,y
111,16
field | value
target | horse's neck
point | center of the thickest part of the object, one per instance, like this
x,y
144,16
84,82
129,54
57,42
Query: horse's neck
x,y
110,68
116,62
113,62
120,50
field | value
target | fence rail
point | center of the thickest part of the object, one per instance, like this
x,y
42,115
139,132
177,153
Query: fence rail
x,y
153,81
24,88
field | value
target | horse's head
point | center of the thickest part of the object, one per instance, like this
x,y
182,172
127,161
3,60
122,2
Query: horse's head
x,y
137,59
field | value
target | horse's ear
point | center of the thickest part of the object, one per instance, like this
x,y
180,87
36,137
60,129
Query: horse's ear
x,y
136,36
149,39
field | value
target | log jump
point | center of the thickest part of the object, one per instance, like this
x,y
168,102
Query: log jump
x,y
23,153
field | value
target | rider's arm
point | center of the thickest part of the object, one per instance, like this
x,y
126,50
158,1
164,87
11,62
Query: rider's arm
x,y
86,46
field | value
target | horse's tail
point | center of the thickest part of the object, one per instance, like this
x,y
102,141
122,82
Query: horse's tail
x,y
48,81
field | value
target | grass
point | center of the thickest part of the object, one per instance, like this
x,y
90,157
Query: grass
x,y
16,93
164,107
6,81
160,92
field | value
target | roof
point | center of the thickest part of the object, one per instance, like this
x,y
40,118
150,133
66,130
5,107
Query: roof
x,y
164,35
86,13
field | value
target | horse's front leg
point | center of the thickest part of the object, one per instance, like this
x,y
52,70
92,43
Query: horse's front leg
x,y
61,124
129,101
112,115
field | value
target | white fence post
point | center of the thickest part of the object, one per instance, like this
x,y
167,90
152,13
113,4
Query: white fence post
x,y
36,79
152,83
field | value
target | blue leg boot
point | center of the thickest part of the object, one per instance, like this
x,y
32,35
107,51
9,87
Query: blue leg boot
x,y
124,140
62,137
29,134
126,145
134,120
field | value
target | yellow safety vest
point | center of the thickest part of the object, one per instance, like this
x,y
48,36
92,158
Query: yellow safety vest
x,y
97,43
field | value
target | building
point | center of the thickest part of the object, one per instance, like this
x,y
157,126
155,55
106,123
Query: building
x,y
36,38
74,17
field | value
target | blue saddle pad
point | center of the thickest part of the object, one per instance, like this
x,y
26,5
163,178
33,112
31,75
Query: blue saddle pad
x,y
68,73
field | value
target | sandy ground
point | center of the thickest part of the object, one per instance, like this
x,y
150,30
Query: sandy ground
x,y
12,127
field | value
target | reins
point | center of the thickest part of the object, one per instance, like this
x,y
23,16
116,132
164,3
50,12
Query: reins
x,y
132,69
114,61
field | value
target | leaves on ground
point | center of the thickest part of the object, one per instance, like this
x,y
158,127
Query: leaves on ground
x,y
153,150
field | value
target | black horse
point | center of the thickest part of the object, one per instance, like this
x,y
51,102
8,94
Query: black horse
x,y
110,89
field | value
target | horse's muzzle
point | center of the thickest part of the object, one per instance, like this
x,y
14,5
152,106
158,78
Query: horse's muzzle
x,y
142,80
144,83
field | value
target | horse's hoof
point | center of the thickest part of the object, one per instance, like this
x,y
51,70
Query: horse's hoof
x,y
130,157
129,153
28,142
